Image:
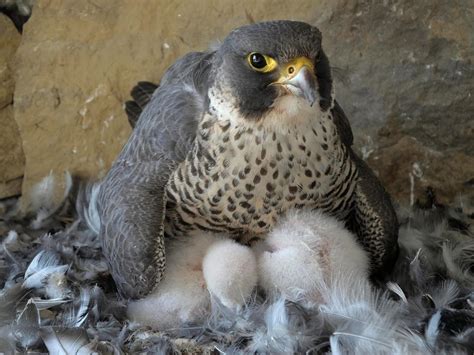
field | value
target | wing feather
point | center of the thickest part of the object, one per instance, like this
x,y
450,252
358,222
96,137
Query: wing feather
x,y
141,94
132,195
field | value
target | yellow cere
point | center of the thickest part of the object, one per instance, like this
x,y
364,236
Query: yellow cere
x,y
291,69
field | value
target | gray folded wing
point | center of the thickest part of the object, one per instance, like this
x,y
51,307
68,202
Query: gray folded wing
x,y
132,196
373,219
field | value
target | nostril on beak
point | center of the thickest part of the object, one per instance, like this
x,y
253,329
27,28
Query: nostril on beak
x,y
303,84
291,70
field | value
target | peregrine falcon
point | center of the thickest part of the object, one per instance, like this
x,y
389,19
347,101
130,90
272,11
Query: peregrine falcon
x,y
231,140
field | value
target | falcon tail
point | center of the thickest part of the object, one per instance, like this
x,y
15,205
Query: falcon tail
x,y
87,206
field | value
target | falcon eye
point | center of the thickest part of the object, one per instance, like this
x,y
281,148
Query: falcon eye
x,y
261,62
258,61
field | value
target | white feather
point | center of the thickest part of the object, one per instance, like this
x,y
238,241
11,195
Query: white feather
x,y
42,260
12,243
335,346
363,319
410,342
230,271
276,333
41,195
432,331
65,341
182,296
364,338
445,293
285,329
90,212
56,285
411,239
306,250
457,267
39,279
395,288
77,315
45,266
12,238
42,304
43,201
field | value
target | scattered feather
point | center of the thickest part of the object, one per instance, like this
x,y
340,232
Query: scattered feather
x,y
64,341
42,304
27,325
56,285
427,306
12,242
42,194
445,293
45,271
395,288
432,332
459,260
10,296
41,261
43,200
77,315
86,205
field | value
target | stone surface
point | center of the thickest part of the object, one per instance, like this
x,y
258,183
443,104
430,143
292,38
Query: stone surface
x,y
411,61
403,61
11,153
408,168
9,41
408,70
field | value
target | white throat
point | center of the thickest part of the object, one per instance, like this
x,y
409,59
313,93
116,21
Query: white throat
x,y
288,112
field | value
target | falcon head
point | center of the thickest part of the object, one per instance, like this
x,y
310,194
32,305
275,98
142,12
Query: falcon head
x,y
263,63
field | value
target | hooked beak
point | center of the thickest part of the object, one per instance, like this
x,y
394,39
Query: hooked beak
x,y
298,77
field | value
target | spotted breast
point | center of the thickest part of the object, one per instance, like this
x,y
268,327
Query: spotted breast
x,y
241,177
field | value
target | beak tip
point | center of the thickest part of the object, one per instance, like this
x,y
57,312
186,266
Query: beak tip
x,y
305,82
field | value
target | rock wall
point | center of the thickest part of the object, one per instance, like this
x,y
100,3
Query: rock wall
x,y
408,68
404,72
11,154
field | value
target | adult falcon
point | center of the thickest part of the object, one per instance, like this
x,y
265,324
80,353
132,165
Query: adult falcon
x,y
231,140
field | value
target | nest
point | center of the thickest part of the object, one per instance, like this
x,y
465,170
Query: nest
x,y
58,296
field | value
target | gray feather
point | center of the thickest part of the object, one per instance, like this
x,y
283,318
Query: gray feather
x,y
141,94
66,341
132,199
26,328
375,220
9,298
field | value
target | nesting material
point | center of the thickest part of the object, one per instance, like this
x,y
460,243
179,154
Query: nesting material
x,y
304,254
56,291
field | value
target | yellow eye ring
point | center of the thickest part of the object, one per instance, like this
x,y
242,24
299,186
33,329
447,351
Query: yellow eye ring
x,y
261,62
